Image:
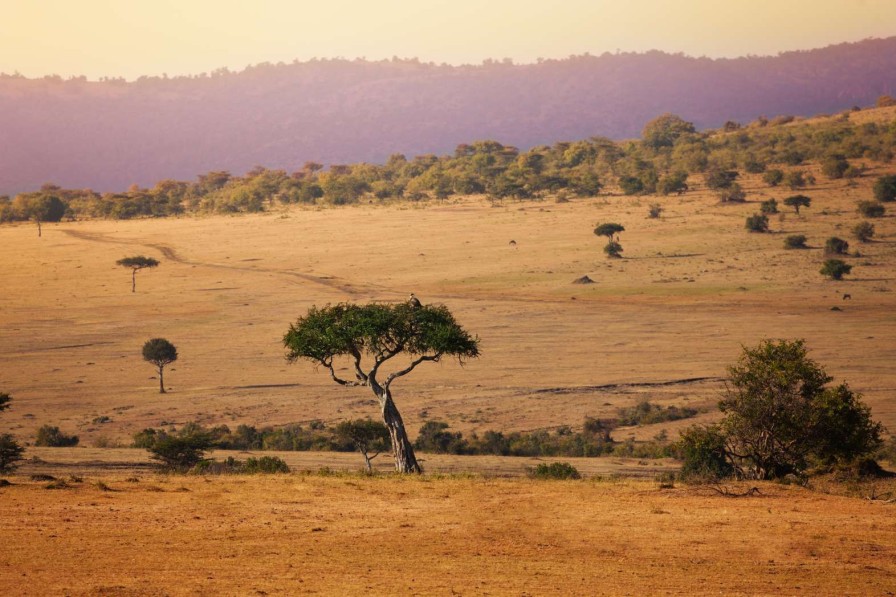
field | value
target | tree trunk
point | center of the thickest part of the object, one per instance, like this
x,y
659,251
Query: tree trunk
x,y
405,461
134,281
38,229
161,382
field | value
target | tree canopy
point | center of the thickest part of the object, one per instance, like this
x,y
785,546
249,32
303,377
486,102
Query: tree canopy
x,y
137,263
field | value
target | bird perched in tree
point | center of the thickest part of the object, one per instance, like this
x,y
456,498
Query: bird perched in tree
x,y
414,302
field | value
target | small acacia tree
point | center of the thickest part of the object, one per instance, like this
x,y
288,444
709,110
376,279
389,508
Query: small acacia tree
x,y
136,264
160,352
367,436
611,230
370,336
797,201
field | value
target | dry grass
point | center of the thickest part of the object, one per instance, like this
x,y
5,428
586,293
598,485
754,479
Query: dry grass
x,y
350,535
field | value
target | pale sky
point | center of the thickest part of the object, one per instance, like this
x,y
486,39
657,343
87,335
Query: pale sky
x,y
130,38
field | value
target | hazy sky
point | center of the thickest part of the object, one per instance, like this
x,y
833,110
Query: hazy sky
x,y
136,37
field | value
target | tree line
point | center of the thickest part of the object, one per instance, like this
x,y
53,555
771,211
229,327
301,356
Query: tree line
x,y
670,158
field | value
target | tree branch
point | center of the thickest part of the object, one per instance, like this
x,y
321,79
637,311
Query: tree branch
x,y
392,377
337,379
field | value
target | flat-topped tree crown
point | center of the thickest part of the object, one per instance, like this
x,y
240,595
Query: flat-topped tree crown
x,y
371,335
137,263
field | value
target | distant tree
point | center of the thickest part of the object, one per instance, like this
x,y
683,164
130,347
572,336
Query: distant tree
x,y
773,177
610,230
797,201
654,210
863,231
180,451
757,223
835,269
834,166
768,207
795,179
10,450
44,208
160,352
795,241
885,188
732,194
835,246
885,101
50,436
435,438
367,436
674,182
136,264
613,249
719,178
871,209
664,130
370,336
631,185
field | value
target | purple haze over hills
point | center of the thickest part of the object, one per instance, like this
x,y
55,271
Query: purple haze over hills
x,y
108,135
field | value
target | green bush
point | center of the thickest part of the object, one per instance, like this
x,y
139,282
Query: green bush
x,y
835,269
646,413
52,437
773,177
885,188
795,241
703,454
732,194
757,223
863,231
834,166
555,470
182,451
871,209
613,249
768,207
835,246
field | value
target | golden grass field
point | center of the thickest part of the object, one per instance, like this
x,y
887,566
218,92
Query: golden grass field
x,y
660,324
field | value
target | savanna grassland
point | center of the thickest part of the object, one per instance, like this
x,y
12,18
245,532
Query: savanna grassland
x,y
661,323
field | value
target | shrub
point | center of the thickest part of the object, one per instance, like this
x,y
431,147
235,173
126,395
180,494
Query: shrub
x,y
718,178
613,249
232,466
834,166
654,210
773,177
885,188
645,413
768,207
863,231
704,455
871,209
835,269
51,437
10,453
182,451
732,194
795,241
795,179
555,470
835,246
267,465
885,101
757,223
674,182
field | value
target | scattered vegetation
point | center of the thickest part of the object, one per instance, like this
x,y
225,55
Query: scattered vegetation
x,y
871,209
555,470
52,437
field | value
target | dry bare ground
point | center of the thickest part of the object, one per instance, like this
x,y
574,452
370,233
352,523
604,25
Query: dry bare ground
x,y
660,324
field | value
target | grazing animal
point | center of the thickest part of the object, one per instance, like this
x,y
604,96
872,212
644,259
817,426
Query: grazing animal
x,y
414,302
847,297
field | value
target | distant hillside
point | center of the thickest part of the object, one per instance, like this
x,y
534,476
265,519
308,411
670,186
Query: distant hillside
x,y
107,135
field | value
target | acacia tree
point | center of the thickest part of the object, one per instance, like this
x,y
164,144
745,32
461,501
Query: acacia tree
x,y
160,352
136,264
44,208
797,201
369,336
10,450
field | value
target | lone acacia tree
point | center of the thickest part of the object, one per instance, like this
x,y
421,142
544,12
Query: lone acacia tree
x,y
369,336
797,201
136,264
159,352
